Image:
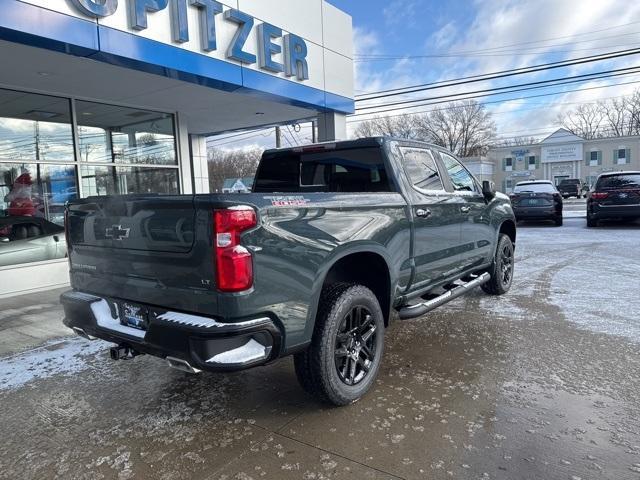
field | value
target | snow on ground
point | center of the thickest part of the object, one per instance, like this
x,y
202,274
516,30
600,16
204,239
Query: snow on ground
x,y
596,279
53,358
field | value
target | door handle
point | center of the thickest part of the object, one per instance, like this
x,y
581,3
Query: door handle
x,y
423,212
465,209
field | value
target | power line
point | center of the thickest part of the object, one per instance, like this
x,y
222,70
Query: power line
x,y
543,105
505,53
496,75
544,40
541,83
504,93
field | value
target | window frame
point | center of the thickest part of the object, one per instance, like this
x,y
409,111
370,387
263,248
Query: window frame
x,y
431,152
509,168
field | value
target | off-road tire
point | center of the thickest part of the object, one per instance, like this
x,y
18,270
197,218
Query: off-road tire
x,y
499,284
316,367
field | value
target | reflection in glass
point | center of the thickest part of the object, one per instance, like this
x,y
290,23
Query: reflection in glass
x,y
36,190
32,199
111,134
103,180
35,127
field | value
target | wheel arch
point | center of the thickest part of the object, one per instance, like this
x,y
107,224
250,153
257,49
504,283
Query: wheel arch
x,y
508,227
367,265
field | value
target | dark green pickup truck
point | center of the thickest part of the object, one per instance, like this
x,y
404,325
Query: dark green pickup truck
x,y
333,240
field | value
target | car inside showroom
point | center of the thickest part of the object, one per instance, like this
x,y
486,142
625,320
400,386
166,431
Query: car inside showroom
x,y
113,98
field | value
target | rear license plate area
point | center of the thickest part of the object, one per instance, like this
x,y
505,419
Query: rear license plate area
x,y
133,315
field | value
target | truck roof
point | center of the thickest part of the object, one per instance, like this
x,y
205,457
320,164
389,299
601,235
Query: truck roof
x,y
366,142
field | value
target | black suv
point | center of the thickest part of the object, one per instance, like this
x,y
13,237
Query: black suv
x,y
537,200
570,187
615,195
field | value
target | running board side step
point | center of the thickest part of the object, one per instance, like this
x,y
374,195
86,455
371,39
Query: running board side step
x,y
413,311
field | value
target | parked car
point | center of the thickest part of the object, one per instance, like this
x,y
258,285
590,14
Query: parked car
x,y
537,200
332,240
570,187
616,195
30,239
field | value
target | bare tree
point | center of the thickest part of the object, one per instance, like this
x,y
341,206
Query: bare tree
x,y
400,126
465,128
231,164
516,141
586,121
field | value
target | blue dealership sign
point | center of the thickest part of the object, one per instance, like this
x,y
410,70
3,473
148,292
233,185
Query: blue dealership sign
x,y
294,47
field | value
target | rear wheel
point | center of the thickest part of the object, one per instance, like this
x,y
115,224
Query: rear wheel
x,y
558,221
343,360
502,268
591,222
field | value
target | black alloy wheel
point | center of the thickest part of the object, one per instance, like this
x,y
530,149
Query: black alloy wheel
x,y
506,263
355,346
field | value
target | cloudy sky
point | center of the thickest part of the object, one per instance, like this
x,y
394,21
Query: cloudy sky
x,y
401,43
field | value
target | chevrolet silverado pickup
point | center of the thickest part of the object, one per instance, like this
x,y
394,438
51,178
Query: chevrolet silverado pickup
x,y
334,241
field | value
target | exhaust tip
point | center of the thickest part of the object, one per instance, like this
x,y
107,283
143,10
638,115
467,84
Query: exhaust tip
x,y
181,365
80,332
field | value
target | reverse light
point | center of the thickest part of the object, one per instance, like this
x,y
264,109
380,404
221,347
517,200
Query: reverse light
x,y
234,263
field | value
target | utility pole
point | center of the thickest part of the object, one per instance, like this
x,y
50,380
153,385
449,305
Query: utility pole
x,y
278,137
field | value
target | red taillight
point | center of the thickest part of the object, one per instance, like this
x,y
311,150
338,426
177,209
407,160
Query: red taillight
x,y
599,195
234,265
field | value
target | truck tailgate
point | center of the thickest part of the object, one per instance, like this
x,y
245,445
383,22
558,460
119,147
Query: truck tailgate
x,y
152,248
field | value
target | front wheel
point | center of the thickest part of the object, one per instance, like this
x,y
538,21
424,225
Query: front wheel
x,y
502,268
344,357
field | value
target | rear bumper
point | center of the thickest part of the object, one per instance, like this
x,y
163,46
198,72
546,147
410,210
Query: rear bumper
x,y
600,212
539,213
205,343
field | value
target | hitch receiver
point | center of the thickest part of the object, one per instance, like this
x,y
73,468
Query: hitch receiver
x,y
123,352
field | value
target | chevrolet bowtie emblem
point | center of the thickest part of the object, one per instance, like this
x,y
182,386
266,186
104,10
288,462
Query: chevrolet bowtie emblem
x,y
116,232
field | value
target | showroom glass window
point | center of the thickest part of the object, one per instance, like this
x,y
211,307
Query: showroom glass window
x,y
112,150
125,150
37,176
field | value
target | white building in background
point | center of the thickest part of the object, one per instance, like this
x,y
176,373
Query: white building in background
x,y
563,155
107,97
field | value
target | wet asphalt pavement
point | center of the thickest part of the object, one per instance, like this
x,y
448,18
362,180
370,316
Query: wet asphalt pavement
x,y
542,383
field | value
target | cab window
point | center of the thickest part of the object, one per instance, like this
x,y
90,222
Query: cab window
x,y
421,169
461,179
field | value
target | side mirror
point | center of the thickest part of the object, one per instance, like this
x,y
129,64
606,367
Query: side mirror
x,y
488,190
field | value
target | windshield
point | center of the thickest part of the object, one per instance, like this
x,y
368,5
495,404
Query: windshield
x,y
569,182
535,188
614,182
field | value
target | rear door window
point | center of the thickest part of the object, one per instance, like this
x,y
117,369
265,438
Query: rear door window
x,y
460,177
616,182
422,169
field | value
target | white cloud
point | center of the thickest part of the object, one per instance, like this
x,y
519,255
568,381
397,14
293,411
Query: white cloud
x,y
505,34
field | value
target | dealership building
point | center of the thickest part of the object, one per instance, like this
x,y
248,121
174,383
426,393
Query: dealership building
x,y
108,97
563,155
